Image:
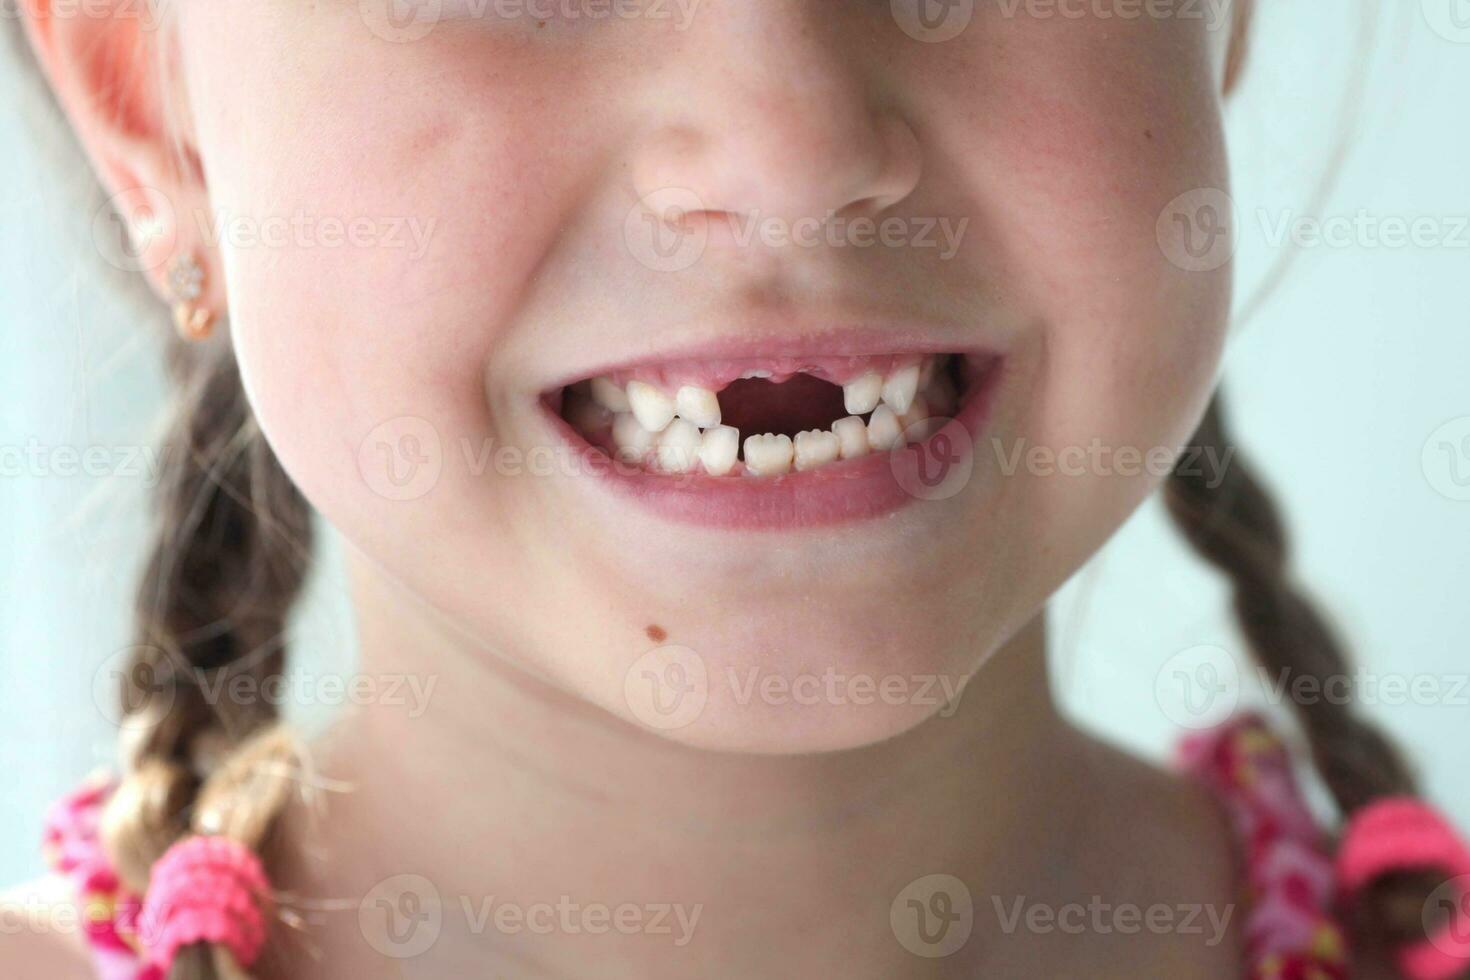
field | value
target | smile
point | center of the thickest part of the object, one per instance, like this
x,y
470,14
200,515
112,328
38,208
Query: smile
x,y
772,441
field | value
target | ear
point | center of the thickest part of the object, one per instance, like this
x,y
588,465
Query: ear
x,y
107,61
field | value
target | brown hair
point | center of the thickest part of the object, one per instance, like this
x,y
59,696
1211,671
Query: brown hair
x,y
231,546
1231,521
230,552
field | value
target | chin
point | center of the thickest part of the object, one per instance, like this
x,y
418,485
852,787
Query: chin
x,y
785,682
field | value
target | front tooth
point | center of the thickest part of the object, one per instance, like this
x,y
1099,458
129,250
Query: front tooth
x,y
719,449
678,447
768,455
609,395
634,442
883,430
852,437
655,410
861,395
698,405
816,448
900,388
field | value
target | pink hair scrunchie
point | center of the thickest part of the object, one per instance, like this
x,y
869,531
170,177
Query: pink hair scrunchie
x,y
1405,834
205,889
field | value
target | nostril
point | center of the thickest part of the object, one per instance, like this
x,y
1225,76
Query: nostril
x,y
814,159
868,207
691,222
903,162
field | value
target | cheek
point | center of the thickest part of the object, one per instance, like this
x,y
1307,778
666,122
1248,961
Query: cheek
x,y
376,226
1063,156
1078,145
1132,339
1115,133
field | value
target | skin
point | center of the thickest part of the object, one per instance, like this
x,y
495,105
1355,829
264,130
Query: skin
x,y
1063,272
1062,140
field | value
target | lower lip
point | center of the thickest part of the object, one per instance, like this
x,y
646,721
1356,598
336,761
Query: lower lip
x,y
838,493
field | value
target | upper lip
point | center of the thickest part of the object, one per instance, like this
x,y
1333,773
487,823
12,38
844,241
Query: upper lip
x,y
787,339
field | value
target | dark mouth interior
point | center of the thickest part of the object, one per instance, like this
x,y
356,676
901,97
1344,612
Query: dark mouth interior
x,y
798,404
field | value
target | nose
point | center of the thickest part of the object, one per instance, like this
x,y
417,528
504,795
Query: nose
x,y
775,119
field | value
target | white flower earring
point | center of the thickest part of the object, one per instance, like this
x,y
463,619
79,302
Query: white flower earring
x,y
186,284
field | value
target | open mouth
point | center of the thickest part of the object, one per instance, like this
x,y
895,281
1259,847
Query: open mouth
x,y
767,418
776,440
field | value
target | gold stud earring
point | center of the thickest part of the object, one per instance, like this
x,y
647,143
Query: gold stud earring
x,y
192,320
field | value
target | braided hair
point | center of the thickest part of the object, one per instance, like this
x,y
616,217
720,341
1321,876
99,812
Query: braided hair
x,y
1230,520
229,555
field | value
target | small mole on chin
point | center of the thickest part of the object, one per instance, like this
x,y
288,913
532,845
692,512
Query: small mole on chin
x,y
656,633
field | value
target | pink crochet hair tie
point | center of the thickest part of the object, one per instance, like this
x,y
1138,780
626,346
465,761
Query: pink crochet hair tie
x,y
1404,834
205,889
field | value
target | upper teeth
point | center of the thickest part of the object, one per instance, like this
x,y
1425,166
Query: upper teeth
x,y
699,405
653,408
861,395
681,432
609,395
900,388
917,412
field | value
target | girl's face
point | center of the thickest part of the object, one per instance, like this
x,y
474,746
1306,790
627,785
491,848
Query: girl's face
x,y
435,228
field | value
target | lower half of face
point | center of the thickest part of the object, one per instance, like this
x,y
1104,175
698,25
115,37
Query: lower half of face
x,y
749,378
